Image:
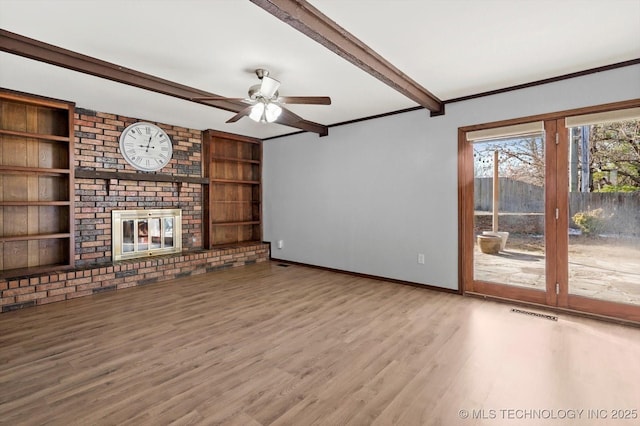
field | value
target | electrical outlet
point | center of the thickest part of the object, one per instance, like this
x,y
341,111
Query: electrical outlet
x,y
421,258
280,244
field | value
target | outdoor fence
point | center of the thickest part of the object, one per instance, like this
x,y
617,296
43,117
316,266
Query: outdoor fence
x,y
515,196
621,210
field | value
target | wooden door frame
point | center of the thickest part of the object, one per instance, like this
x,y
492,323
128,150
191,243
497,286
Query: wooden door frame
x,y
561,188
466,225
551,205
556,240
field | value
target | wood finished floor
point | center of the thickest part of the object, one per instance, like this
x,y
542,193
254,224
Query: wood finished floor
x,y
267,345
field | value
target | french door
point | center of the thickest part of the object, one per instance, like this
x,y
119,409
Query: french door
x,y
549,213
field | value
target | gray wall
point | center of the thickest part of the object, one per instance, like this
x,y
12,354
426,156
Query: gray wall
x,y
372,195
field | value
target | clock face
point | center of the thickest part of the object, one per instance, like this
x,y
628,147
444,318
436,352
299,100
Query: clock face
x,y
146,146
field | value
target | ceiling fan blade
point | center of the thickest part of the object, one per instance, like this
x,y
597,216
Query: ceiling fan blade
x,y
309,100
269,86
289,117
239,115
216,98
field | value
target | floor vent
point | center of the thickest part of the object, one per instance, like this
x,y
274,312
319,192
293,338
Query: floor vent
x,y
535,314
283,265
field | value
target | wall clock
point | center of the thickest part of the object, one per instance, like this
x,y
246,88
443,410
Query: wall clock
x,y
146,146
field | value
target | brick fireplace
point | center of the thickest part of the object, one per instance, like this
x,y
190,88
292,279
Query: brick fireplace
x,y
96,268
96,149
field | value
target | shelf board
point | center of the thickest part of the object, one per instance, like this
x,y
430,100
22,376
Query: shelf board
x,y
26,272
34,203
235,202
34,135
35,237
252,222
235,160
236,181
36,170
237,244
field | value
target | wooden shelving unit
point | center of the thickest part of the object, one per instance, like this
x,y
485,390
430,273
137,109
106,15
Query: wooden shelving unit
x,y
36,184
233,201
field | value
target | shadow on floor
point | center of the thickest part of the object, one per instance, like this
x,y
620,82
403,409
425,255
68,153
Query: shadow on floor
x,y
514,255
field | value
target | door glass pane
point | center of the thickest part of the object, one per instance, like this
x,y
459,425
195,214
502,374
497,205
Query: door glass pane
x,y
604,211
509,244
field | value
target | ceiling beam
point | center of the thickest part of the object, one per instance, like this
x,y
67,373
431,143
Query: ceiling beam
x,y
33,49
310,21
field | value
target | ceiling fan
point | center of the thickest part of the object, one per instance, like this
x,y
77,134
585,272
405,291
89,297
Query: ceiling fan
x,y
265,105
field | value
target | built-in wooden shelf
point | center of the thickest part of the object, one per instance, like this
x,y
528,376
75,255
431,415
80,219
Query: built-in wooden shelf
x,y
35,237
30,135
251,222
235,160
36,159
237,202
236,181
27,272
237,245
19,170
232,207
34,203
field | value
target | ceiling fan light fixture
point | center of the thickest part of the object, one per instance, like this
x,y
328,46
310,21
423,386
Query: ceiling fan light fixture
x,y
265,112
272,112
257,111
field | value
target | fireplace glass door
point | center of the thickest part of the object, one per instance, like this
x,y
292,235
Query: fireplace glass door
x,y
138,233
128,241
167,232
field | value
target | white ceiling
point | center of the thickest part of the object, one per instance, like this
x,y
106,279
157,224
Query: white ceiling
x,y
452,48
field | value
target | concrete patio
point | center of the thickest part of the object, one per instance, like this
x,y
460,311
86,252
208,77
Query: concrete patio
x,y
599,268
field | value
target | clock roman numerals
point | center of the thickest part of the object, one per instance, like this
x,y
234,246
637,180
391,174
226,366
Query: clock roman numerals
x,y
146,146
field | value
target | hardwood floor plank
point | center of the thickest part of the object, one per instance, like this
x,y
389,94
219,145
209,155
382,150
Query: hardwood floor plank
x,y
265,345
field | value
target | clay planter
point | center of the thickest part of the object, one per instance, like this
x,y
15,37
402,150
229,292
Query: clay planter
x,y
489,244
503,236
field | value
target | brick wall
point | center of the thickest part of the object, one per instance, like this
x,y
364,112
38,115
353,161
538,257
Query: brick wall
x,y
97,149
22,292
